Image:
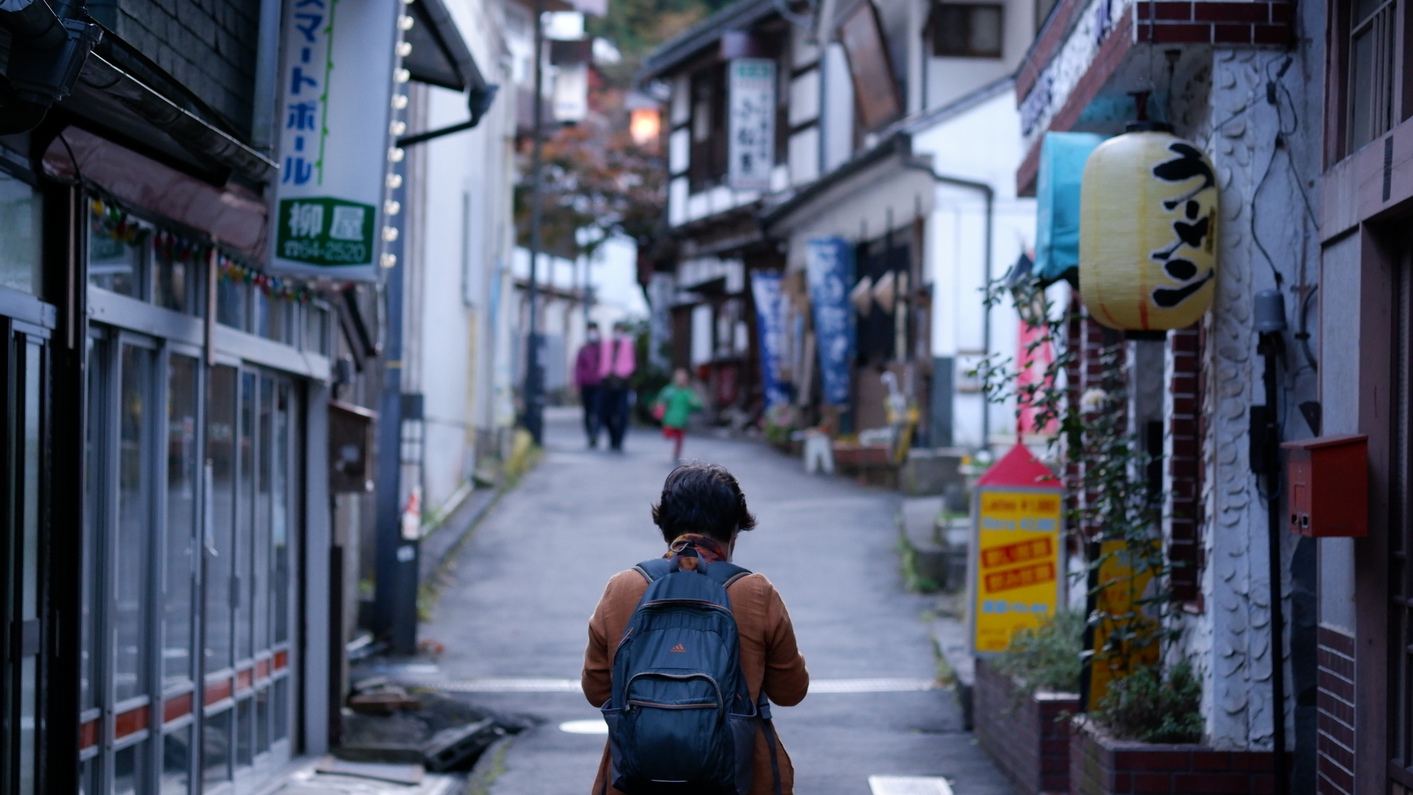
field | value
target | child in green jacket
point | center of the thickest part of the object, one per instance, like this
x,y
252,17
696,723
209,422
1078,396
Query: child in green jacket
x,y
673,406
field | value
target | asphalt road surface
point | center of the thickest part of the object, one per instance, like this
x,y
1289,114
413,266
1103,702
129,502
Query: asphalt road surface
x,y
513,619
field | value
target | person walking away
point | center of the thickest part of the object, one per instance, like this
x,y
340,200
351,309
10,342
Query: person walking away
x,y
588,379
617,363
649,656
676,403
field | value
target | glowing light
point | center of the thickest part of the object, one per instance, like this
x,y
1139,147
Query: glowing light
x,y
397,127
389,260
404,49
405,22
394,181
392,207
399,101
402,75
396,154
645,126
390,233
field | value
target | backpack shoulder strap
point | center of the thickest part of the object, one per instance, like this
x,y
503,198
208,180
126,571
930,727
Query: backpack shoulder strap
x,y
725,573
721,572
653,569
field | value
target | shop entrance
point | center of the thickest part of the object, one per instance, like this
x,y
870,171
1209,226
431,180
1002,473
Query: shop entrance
x,y
24,371
189,661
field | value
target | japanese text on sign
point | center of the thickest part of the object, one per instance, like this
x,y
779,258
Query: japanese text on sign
x,y
1018,563
334,121
750,146
1189,230
829,267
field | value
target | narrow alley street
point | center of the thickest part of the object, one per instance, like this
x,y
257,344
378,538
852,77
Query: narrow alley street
x,y
513,621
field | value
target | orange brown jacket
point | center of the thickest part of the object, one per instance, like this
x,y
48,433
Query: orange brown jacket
x,y
770,661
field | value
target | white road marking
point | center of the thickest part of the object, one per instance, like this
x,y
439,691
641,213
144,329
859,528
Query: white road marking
x,y
909,785
871,685
553,685
595,726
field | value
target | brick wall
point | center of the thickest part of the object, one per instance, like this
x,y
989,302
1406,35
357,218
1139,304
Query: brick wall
x,y
1100,766
207,45
1095,373
1026,735
1241,22
1184,463
1334,722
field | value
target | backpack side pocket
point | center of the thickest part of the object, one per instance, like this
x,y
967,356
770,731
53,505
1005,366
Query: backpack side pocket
x,y
743,736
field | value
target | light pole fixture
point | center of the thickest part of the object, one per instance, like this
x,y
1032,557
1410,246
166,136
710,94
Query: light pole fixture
x,y
533,416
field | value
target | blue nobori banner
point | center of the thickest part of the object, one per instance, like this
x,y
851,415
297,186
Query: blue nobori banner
x,y
830,266
770,318
335,112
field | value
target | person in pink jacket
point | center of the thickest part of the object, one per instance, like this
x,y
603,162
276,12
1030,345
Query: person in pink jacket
x,y
617,362
588,379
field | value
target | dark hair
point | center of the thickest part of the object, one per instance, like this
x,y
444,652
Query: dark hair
x,y
702,498
593,324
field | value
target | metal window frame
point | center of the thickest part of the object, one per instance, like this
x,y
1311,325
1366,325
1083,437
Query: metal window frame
x,y
17,338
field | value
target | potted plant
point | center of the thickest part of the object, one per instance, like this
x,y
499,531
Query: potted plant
x,y
1023,699
1144,726
1146,736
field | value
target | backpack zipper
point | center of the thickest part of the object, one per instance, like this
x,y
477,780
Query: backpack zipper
x,y
720,699
640,703
701,602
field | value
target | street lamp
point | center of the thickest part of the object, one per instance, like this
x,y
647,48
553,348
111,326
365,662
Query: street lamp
x,y
533,418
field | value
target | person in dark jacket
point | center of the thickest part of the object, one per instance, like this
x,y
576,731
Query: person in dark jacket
x,y
617,363
588,378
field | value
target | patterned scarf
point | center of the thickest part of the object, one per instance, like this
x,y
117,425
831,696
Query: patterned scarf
x,y
707,547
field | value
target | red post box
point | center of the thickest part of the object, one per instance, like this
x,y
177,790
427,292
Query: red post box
x,y
1327,486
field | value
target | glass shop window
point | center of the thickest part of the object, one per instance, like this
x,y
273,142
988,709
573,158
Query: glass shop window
x,y
21,221
177,264
316,327
117,250
966,30
232,300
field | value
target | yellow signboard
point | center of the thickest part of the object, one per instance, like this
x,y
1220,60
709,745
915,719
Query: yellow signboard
x,y
1017,564
1121,588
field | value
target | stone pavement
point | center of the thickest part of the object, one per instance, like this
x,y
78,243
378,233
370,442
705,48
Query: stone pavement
x,y
513,615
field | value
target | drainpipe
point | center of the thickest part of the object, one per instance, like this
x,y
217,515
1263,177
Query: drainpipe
x,y
919,164
267,64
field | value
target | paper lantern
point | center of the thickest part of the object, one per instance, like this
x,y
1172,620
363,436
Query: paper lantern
x,y
885,291
862,297
1147,233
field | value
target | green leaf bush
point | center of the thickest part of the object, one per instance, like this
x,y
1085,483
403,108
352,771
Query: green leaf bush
x,y
1048,657
1151,708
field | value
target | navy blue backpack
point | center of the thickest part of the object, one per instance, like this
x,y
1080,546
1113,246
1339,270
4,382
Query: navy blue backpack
x,y
680,716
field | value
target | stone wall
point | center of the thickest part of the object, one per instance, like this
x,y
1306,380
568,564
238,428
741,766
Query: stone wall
x,y
1267,151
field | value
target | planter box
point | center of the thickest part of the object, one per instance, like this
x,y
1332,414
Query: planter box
x,y
1100,765
1026,735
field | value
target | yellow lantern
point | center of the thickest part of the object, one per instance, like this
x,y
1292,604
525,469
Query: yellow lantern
x,y
1147,231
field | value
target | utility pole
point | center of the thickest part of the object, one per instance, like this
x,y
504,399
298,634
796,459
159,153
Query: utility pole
x,y
534,410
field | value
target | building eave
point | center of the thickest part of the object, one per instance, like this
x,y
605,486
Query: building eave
x,y
899,144
738,16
